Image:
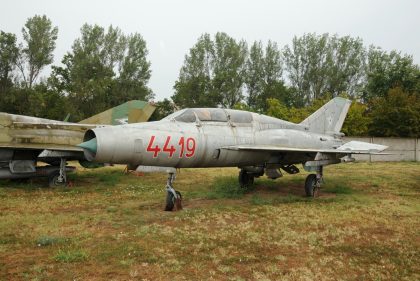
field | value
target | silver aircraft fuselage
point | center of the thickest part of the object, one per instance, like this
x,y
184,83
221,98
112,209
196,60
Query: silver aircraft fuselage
x,y
216,137
197,138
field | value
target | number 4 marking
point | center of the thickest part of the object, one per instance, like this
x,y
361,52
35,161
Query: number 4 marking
x,y
171,150
155,149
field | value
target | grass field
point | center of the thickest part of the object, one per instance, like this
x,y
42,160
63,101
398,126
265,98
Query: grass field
x,y
110,226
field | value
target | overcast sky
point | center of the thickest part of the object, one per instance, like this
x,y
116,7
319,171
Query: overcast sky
x,y
171,28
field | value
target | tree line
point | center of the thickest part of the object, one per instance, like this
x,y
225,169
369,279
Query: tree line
x,y
294,81
106,67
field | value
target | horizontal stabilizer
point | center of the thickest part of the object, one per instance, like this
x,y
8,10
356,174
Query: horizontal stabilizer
x,y
362,146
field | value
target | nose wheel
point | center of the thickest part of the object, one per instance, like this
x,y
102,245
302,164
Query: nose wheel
x,y
173,197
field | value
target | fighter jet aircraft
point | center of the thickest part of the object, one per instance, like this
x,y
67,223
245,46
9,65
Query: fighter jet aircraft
x,y
216,137
27,140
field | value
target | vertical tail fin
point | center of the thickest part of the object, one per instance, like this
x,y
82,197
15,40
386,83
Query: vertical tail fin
x,y
133,111
329,118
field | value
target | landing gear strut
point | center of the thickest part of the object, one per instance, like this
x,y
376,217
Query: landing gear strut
x,y
173,197
313,183
59,178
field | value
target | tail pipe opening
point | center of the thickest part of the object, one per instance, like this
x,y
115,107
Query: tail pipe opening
x,y
89,145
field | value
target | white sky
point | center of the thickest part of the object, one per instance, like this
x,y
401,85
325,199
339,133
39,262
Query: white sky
x,y
171,28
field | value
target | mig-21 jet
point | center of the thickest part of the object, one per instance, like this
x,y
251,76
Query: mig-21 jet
x,y
215,137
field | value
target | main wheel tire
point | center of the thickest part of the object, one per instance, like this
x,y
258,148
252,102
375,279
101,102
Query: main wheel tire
x,y
53,181
311,186
245,179
171,201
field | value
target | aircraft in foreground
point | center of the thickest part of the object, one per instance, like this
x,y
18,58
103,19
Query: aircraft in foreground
x,y
26,140
214,137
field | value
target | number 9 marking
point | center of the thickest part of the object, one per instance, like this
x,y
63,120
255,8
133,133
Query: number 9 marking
x,y
190,147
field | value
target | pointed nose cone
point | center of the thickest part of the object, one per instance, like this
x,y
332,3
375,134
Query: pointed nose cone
x,y
90,145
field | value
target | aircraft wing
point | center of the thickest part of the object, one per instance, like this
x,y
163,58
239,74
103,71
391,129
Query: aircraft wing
x,y
40,146
56,126
28,133
352,147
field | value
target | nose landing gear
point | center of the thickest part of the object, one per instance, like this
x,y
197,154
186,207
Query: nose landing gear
x,y
173,197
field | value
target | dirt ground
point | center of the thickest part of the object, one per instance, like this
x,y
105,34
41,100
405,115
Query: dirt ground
x,y
111,226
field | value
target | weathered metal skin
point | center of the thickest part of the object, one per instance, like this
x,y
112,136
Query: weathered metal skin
x,y
133,144
33,139
215,137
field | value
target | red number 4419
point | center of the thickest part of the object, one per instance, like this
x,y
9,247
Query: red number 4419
x,y
186,147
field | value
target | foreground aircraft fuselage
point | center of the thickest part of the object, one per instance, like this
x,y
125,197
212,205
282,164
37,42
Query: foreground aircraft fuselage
x,y
215,137
206,138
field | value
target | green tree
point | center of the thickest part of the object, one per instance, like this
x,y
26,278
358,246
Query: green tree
x,y
277,109
212,73
228,69
254,77
385,71
306,62
396,115
263,78
193,87
163,109
8,56
320,64
357,121
346,64
104,69
37,52
134,73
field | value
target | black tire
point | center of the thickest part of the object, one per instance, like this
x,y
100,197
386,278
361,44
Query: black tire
x,y
53,181
311,187
170,200
245,179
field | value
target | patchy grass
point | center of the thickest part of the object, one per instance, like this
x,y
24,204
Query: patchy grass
x,y
110,226
339,189
50,240
226,187
70,256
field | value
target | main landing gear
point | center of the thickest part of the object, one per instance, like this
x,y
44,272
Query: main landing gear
x,y
58,178
313,183
245,179
173,197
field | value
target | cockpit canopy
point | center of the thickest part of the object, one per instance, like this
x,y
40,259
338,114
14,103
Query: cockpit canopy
x,y
211,115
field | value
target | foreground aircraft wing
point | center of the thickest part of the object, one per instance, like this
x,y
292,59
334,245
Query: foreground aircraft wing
x,y
54,126
18,132
352,147
41,146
